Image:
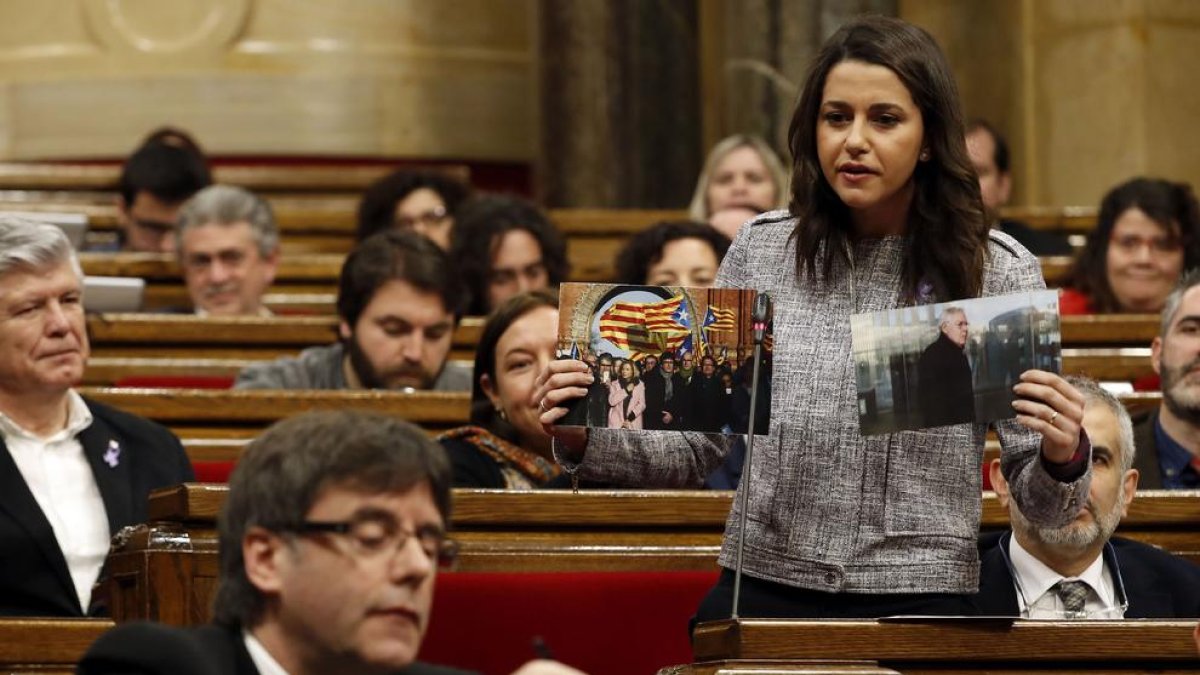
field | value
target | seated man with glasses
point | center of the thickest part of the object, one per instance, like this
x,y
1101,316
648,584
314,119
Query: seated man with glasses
x,y
331,538
421,201
1081,571
155,182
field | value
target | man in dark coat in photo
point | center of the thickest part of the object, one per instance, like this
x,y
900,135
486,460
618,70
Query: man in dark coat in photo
x,y
944,382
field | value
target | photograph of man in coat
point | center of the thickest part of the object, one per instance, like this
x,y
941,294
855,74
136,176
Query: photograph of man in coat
x,y
946,394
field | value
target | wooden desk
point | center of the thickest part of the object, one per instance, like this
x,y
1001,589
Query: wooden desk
x,y
223,413
46,646
1110,330
788,646
167,570
633,530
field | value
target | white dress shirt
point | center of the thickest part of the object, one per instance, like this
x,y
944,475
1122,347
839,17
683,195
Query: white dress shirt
x,y
263,661
61,480
1035,580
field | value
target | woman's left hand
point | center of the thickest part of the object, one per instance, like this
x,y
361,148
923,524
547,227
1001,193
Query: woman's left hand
x,y
1049,405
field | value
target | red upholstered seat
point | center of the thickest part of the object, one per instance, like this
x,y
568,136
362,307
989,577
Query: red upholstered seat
x,y
599,622
212,472
176,381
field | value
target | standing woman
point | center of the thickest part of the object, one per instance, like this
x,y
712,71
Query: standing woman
x,y
626,398
885,213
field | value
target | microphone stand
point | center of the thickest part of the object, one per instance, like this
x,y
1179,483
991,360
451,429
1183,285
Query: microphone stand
x,y
761,309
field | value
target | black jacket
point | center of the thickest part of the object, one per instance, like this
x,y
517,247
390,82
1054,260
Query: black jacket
x,y
944,384
1146,459
656,403
36,580
1158,585
141,648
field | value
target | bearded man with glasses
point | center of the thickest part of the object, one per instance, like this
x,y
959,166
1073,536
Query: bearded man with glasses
x,y
1081,571
330,541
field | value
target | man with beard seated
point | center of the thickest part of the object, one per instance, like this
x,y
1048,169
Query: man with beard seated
x,y
398,303
1168,439
1081,571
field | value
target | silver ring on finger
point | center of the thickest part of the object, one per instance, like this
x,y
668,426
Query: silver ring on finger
x,y
1052,418
542,405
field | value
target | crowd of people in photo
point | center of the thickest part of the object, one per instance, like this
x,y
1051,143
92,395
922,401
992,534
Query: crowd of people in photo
x,y
891,199
669,392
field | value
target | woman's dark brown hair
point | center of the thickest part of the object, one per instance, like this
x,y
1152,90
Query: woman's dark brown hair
x,y
482,411
645,248
947,226
1172,205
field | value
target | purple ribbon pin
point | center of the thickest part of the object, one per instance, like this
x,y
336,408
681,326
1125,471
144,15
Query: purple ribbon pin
x,y
112,456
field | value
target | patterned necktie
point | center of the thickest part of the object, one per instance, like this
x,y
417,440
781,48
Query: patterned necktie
x,y
1073,595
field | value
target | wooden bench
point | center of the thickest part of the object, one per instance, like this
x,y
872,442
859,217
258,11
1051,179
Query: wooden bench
x,y
1103,364
46,646
1111,330
206,413
892,647
308,281
255,338
1063,220
347,177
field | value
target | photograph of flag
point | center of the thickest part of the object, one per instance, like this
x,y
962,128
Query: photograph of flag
x,y
610,326
719,319
650,327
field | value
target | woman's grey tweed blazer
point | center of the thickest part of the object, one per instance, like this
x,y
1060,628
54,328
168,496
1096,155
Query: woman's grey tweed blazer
x,y
831,510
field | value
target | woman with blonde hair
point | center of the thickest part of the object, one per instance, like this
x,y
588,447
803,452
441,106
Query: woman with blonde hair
x,y
742,176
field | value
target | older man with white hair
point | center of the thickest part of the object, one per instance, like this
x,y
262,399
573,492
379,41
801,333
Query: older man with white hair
x,y
1080,570
72,471
944,382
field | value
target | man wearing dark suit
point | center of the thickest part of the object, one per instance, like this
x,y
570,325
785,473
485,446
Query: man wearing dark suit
x,y
665,391
710,408
1168,439
944,382
1080,570
72,472
330,540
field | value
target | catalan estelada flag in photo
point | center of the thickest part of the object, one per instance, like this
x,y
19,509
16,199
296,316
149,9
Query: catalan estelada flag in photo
x,y
650,327
720,319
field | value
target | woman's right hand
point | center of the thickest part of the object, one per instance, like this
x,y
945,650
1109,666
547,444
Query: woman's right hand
x,y
562,382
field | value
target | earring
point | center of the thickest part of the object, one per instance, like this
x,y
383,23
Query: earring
x,y
501,414
924,156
